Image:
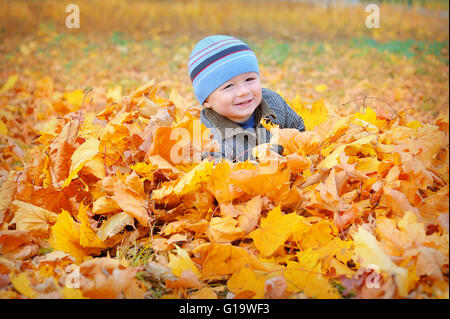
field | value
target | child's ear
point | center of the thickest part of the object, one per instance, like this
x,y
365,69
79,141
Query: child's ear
x,y
206,104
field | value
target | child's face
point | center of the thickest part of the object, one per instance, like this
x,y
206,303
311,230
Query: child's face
x,y
227,99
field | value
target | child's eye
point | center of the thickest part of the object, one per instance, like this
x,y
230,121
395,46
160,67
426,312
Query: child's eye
x,y
227,86
250,79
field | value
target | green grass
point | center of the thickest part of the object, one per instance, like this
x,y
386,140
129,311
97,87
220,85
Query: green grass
x,y
136,255
408,48
340,288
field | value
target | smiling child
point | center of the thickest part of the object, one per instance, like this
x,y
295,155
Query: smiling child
x,y
225,76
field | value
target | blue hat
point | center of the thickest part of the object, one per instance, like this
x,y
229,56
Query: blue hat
x,y
217,59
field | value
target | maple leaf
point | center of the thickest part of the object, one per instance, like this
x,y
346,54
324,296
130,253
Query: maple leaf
x,y
74,98
309,280
65,236
80,156
188,183
368,248
131,202
249,213
398,202
32,218
294,141
88,237
430,262
9,83
188,279
245,280
217,260
310,234
62,149
313,115
204,293
167,143
104,205
22,284
273,182
369,118
91,127
114,224
7,192
219,184
181,262
106,277
224,229
274,230
18,244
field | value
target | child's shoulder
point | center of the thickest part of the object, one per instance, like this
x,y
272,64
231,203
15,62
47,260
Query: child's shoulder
x,y
270,93
286,116
274,100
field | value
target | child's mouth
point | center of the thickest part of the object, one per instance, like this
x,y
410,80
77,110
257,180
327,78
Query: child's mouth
x,y
245,103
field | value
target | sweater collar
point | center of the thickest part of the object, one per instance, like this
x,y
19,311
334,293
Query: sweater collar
x,y
263,110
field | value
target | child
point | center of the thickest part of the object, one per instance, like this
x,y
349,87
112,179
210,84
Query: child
x,y
225,75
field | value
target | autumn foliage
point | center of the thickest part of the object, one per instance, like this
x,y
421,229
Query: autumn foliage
x,y
357,206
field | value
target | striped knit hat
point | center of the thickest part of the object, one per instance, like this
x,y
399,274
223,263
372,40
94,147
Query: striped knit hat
x,y
217,59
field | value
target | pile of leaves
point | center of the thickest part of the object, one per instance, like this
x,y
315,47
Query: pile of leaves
x,y
357,207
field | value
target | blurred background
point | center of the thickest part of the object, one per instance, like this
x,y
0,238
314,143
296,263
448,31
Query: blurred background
x,y
307,50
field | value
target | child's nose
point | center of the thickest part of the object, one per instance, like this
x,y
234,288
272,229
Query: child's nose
x,y
243,89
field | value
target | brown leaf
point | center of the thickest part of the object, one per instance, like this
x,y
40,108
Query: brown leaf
x,y
105,278
131,202
187,280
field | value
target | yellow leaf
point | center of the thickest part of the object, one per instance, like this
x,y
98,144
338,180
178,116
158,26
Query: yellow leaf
x,y
223,229
9,83
89,129
224,259
246,280
274,231
72,293
22,284
414,124
320,88
82,154
47,181
366,246
3,128
219,184
7,192
249,213
188,183
367,165
305,276
315,235
181,262
370,117
204,293
114,93
65,236
144,169
88,238
312,115
157,161
95,166
364,145
332,160
74,98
